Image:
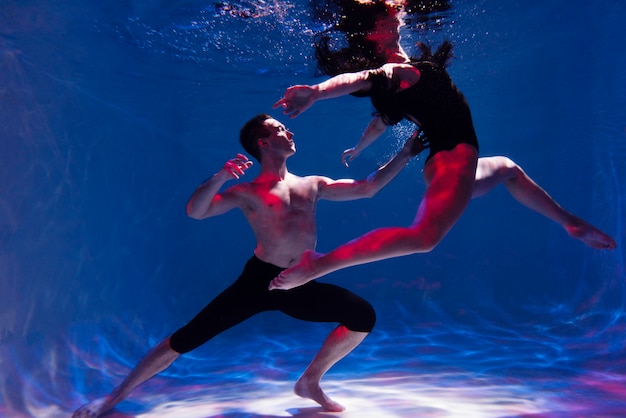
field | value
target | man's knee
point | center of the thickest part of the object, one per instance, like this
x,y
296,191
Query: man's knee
x,y
186,339
369,319
363,320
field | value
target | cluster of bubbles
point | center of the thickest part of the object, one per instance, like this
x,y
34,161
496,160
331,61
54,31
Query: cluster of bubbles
x,y
239,33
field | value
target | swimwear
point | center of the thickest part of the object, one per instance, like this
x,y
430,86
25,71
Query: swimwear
x,y
249,295
441,109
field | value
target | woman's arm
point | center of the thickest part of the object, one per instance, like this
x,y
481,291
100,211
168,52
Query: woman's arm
x,y
299,98
374,130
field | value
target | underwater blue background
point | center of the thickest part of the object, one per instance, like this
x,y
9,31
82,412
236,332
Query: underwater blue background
x,y
111,113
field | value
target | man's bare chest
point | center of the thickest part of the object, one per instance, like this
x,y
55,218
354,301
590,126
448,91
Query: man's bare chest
x,y
282,198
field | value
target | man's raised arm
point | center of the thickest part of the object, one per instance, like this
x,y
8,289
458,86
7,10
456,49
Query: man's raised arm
x,y
205,200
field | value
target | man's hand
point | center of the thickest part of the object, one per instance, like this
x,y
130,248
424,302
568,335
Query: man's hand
x,y
236,167
297,99
417,143
349,155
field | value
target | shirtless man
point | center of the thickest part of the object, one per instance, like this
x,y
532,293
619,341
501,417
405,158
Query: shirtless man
x,y
280,207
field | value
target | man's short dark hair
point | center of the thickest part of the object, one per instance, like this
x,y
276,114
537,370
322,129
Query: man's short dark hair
x,y
251,132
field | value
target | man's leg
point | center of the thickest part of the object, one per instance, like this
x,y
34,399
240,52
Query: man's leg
x,y
155,361
325,302
232,306
338,344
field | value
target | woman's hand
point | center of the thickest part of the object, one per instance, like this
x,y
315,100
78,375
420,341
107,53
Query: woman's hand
x,y
297,99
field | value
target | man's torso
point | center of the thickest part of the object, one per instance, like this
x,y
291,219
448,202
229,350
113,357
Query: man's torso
x,y
282,216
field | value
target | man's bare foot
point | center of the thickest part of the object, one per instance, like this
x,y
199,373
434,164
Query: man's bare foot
x,y
312,390
590,235
297,275
94,408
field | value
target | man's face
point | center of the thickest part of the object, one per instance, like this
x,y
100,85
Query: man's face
x,y
280,138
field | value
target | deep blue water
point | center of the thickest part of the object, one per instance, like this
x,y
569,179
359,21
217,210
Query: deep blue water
x,y
111,113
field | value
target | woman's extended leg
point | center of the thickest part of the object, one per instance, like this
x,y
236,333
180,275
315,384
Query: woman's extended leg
x,y
492,171
450,177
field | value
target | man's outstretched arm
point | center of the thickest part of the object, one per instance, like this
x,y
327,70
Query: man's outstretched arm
x,y
348,189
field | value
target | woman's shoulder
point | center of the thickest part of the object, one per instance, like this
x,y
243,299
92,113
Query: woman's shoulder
x,y
402,75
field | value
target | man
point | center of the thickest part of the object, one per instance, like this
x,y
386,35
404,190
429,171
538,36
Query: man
x,y
280,208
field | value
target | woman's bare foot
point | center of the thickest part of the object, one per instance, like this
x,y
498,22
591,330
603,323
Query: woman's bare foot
x,y
312,390
94,408
297,275
590,235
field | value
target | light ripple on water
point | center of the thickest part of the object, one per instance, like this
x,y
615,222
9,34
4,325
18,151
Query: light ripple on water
x,y
392,374
390,396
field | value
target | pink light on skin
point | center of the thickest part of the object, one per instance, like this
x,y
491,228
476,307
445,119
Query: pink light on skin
x,y
386,35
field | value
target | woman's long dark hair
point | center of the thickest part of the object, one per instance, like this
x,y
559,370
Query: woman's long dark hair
x,y
356,57
441,57
355,21
363,56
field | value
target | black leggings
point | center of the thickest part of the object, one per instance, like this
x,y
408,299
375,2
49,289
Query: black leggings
x,y
248,296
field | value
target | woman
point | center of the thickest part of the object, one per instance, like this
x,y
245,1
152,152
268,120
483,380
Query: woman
x,y
375,65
